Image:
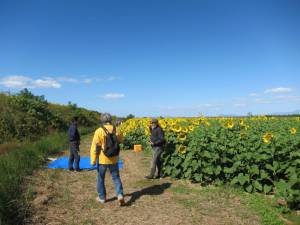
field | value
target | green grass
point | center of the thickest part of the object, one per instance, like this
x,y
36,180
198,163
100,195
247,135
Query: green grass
x,y
145,183
293,217
188,203
268,209
264,207
180,189
15,166
257,203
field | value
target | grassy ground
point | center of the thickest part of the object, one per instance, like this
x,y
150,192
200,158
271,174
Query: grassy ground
x,y
63,197
15,166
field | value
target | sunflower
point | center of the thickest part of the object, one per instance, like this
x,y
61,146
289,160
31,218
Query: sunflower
x,y
163,125
196,122
229,124
182,149
172,123
185,129
207,123
293,130
268,137
191,127
242,123
147,132
181,137
176,128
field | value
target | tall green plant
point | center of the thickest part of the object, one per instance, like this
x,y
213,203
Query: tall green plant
x,y
17,164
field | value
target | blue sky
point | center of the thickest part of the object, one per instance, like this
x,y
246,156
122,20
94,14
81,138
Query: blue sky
x,y
150,58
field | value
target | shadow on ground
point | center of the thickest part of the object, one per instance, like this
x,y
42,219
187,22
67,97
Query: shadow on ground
x,y
152,190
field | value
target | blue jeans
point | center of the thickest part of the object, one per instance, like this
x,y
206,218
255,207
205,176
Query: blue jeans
x,y
114,171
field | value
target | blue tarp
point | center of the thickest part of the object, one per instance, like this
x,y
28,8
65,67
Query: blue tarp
x,y
62,163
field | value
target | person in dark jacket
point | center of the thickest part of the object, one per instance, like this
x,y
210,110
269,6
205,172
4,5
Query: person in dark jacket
x,y
156,141
74,139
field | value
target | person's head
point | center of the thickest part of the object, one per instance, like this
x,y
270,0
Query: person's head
x,y
75,119
154,123
106,118
118,122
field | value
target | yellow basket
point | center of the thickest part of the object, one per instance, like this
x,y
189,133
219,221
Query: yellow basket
x,y
137,148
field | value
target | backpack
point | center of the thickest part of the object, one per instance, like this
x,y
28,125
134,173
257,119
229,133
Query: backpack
x,y
111,147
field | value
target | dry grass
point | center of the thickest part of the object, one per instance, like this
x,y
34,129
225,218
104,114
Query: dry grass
x,y
6,147
62,197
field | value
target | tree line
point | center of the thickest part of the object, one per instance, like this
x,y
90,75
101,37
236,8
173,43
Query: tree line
x,y
26,116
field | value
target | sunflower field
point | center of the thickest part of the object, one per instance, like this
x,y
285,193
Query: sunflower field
x,y
259,154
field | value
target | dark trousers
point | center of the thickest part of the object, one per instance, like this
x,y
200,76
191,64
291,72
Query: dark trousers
x,y
74,155
156,161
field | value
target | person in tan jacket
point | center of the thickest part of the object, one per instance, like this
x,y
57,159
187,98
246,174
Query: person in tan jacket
x,y
104,162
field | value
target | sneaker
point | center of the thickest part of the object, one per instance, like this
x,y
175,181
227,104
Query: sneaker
x,y
149,177
121,200
78,170
71,169
98,199
158,177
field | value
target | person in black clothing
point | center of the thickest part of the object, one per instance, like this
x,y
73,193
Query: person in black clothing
x,y
156,141
74,139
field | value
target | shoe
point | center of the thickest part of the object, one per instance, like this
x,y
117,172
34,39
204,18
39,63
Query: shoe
x,y
149,177
121,200
78,170
160,176
71,169
98,199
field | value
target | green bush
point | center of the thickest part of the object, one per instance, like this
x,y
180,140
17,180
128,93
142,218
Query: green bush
x,y
15,166
26,116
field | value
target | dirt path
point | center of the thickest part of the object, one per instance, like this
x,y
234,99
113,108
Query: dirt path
x,y
63,197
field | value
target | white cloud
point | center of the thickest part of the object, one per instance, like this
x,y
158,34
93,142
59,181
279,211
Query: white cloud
x,y
279,90
111,78
67,79
196,110
205,105
15,81
288,97
253,94
45,83
239,105
278,99
19,82
263,101
87,81
108,78
216,108
113,96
